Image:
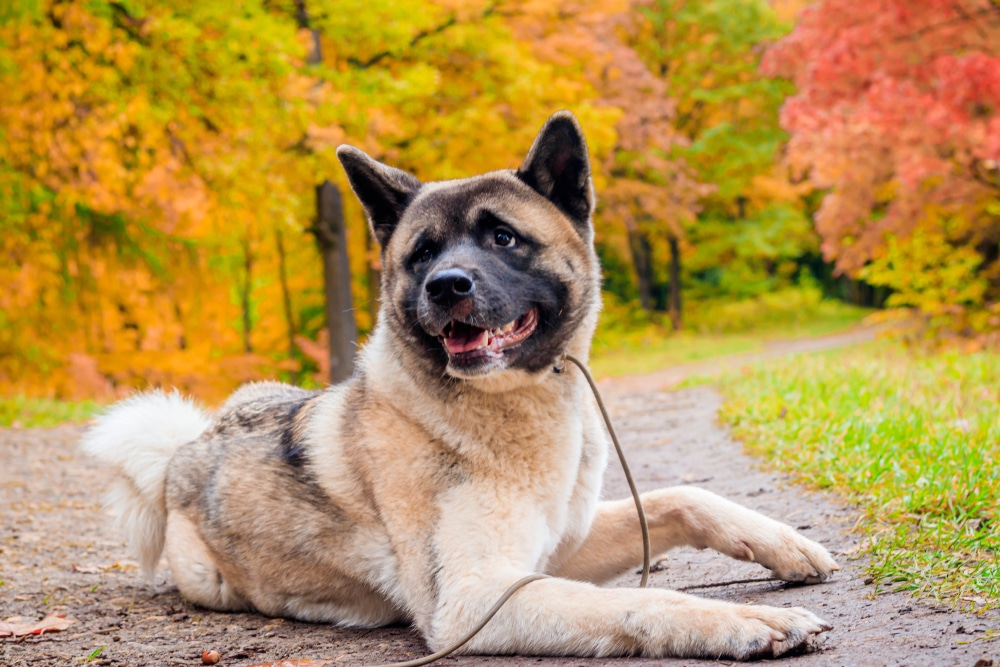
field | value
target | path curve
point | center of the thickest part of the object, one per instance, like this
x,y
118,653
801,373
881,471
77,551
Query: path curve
x,y
670,377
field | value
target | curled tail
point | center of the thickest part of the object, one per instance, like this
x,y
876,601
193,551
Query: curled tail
x,y
138,437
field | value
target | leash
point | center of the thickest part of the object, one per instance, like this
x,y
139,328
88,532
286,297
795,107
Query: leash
x,y
426,660
628,473
517,585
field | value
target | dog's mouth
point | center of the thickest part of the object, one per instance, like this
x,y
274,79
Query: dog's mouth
x,y
465,341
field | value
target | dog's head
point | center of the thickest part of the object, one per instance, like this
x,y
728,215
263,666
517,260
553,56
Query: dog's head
x,y
489,274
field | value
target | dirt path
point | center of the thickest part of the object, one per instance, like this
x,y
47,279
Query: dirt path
x,y
58,552
670,377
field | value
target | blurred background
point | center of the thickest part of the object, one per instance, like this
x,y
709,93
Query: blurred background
x,y
764,170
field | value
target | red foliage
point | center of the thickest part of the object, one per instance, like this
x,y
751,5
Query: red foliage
x,y
898,108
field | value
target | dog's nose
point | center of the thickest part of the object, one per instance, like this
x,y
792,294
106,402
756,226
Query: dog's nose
x,y
449,286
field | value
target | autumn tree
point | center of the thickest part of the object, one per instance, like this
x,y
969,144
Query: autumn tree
x,y
133,169
645,195
750,231
897,117
158,163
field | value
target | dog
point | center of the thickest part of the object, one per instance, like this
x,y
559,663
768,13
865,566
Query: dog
x,y
455,460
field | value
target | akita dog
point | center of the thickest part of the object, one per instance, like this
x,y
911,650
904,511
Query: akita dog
x,y
454,461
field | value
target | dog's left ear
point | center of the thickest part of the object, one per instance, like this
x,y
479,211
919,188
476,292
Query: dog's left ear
x,y
558,168
384,191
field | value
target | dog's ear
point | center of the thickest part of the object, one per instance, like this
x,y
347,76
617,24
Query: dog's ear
x,y
558,168
384,191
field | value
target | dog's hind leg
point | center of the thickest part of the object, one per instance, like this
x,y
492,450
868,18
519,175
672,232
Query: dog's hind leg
x,y
194,569
689,516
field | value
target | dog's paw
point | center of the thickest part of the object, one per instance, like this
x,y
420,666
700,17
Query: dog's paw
x,y
789,555
768,632
724,630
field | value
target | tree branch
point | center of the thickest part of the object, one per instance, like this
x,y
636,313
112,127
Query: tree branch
x,y
417,38
963,18
986,174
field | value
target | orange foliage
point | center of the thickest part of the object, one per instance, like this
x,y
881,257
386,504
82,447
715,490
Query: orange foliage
x,y
153,154
158,163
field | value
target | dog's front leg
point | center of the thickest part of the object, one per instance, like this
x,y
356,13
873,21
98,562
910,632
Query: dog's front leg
x,y
562,617
689,516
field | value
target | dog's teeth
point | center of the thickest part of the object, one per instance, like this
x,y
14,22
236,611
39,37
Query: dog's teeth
x,y
484,341
507,328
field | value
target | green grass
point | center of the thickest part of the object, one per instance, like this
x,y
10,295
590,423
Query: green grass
x,y
26,412
624,345
915,440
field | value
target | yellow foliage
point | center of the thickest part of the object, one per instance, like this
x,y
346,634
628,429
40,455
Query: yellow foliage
x,y
935,276
158,164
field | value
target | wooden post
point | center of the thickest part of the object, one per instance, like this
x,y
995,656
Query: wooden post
x,y
332,239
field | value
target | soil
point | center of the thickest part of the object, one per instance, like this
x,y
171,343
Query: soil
x,y
59,551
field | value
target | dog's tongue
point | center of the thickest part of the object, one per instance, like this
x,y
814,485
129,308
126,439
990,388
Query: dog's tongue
x,y
465,337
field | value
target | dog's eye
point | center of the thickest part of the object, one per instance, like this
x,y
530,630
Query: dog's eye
x,y
504,238
423,254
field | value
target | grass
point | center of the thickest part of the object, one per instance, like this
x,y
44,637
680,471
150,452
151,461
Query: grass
x,y
623,346
24,412
913,439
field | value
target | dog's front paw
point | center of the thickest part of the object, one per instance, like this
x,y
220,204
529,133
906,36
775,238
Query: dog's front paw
x,y
768,632
724,630
789,555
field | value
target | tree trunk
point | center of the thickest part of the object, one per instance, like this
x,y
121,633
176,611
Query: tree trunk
x,y
286,298
374,277
332,239
639,245
674,304
315,55
245,296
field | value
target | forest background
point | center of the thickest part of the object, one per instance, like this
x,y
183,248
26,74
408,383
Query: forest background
x,y
754,160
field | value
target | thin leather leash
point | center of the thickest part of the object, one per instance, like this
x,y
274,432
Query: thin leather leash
x,y
628,473
426,660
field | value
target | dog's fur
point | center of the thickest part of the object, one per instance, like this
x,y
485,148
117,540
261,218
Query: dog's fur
x,y
422,487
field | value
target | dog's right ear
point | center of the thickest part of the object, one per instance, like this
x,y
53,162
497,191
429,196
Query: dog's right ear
x,y
384,191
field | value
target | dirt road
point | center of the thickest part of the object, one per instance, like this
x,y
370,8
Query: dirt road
x,y
58,551
668,378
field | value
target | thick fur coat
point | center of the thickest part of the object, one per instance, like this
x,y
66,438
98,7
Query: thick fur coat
x,y
454,461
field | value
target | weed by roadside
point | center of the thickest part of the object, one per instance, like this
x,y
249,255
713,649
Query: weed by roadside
x,y
915,440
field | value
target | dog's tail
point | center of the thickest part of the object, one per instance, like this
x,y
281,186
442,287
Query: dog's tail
x,y
138,436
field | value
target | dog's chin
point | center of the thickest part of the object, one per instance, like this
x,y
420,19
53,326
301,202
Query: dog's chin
x,y
475,352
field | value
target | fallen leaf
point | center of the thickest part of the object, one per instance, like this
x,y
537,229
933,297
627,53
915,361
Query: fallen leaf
x,y
51,623
87,569
122,565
